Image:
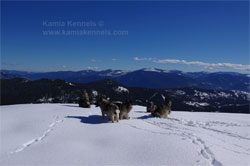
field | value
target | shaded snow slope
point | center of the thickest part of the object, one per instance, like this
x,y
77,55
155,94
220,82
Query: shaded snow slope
x,y
64,134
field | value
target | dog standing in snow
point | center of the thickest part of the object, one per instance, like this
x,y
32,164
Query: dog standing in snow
x,y
163,110
109,109
125,108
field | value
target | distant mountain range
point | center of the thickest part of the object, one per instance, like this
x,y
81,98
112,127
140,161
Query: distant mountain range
x,y
22,90
147,78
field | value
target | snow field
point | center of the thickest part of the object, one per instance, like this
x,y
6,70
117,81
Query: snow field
x,y
64,134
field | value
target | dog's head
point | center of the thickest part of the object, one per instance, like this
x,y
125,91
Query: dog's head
x,y
150,106
99,101
128,103
168,102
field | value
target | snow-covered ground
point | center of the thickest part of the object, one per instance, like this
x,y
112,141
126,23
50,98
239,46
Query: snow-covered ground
x,y
64,134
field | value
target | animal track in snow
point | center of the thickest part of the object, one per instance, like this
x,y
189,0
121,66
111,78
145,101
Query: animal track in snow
x,y
206,126
206,152
36,140
187,133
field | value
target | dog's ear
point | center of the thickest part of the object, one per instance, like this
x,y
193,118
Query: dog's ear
x,y
167,99
101,99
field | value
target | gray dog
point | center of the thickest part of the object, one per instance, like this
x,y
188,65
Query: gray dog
x,y
125,108
163,110
109,109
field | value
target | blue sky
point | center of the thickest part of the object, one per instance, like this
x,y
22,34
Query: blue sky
x,y
188,36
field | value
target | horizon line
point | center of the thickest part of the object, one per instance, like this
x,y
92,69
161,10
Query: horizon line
x,y
99,70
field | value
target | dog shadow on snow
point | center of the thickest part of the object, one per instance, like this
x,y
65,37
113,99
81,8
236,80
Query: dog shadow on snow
x,y
145,117
92,119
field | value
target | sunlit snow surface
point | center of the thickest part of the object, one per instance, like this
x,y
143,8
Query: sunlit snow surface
x,y
64,134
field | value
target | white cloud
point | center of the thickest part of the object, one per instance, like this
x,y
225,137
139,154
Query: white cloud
x,y
142,59
113,59
197,63
93,60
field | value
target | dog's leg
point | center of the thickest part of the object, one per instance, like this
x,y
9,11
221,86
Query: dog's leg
x,y
112,117
156,114
117,117
103,114
165,116
127,116
121,115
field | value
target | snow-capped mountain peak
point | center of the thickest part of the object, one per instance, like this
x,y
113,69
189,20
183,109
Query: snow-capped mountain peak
x,y
152,69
